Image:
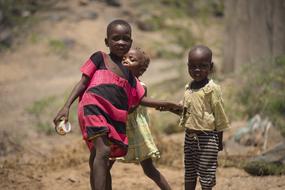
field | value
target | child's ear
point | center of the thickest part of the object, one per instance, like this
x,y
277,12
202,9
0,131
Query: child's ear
x,y
106,42
212,66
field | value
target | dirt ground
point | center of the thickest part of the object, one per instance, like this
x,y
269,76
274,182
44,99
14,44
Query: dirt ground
x,y
35,69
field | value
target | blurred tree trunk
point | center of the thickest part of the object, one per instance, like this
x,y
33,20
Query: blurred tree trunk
x,y
255,29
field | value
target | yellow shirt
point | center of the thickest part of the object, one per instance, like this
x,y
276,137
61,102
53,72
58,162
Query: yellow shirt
x,y
204,109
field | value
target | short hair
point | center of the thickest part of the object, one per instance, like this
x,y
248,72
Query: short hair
x,y
116,23
143,54
203,49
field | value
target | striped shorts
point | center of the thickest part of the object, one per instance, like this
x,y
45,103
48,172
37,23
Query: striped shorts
x,y
200,158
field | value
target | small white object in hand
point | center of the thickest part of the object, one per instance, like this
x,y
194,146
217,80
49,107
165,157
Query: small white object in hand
x,y
62,128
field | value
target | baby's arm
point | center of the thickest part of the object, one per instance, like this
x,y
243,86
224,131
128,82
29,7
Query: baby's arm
x,y
78,89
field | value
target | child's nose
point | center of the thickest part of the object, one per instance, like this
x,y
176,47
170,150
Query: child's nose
x,y
122,42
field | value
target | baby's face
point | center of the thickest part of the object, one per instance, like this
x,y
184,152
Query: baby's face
x,y
135,61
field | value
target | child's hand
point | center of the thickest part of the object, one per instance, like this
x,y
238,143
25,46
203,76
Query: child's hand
x,y
220,141
63,113
172,107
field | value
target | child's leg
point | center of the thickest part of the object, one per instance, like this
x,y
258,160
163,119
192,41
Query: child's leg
x,y
190,185
151,172
91,160
190,159
100,165
207,163
206,188
109,177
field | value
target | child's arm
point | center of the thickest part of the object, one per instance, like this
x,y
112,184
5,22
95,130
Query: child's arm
x,y
78,89
161,105
175,111
220,136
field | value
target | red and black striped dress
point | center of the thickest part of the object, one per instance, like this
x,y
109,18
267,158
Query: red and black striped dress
x,y
103,107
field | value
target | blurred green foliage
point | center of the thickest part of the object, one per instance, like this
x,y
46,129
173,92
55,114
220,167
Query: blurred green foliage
x,y
260,168
260,90
229,161
183,36
181,8
58,47
38,110
17,17
171,17
45,109
14,12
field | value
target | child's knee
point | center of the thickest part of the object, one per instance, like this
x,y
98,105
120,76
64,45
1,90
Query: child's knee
x,y
103,152
92,157
208,184
102,147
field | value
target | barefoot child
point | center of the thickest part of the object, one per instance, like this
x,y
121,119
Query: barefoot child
x,y
141,144
106,92
204,120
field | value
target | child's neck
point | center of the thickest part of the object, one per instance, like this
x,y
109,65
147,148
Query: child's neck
x,y
116,59
199,84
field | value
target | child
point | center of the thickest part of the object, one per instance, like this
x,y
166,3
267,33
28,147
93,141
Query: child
x,y
204,120
141,144
106,92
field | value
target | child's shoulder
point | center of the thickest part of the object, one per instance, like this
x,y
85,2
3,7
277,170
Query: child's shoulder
x,y
98,58
187,86
213,88
212,85
97,55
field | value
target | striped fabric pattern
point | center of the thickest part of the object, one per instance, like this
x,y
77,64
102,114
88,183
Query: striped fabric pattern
x,y
201,152
103,107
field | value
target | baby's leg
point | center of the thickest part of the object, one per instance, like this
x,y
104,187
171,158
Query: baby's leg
x,y
100,166
151,172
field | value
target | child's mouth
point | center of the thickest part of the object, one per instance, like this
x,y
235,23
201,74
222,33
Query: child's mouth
x,y
197,74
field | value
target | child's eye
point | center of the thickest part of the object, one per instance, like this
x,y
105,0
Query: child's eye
x,y
126,38
132,58
204,65
116,38
198,66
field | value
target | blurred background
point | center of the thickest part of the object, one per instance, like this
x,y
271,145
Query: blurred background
x,y
44,43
